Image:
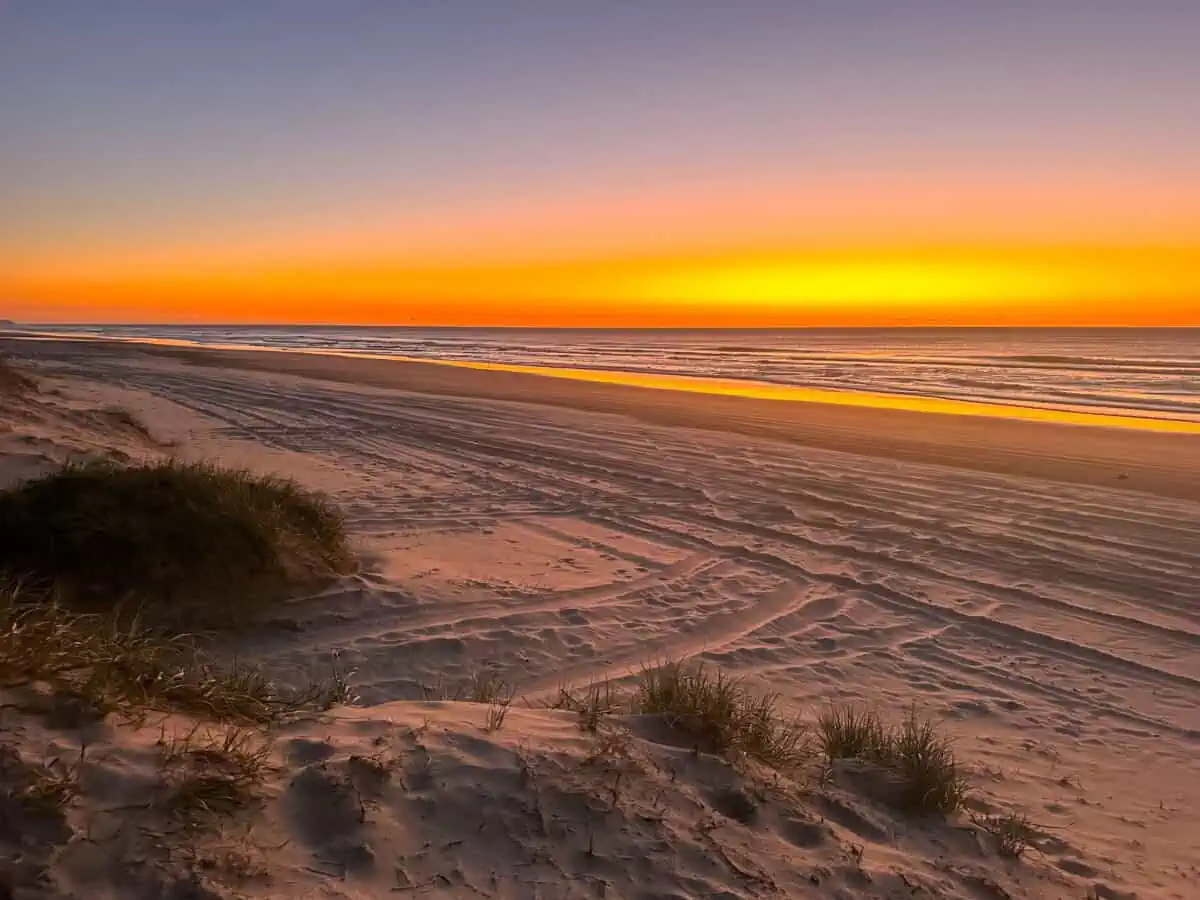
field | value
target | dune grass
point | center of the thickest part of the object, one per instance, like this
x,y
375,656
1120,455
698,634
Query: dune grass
x,y
721,714
848,732
933,780
211,776
915,753
592,704
105,666
485,686
116,564
1013,835
46,788
178,541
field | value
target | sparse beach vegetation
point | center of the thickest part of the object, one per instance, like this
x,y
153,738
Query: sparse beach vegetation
x,y
183,543
721,713
915,753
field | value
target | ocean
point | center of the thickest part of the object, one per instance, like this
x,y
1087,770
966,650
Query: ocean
x,y
1144,372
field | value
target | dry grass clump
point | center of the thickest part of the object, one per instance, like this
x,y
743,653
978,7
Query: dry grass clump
x,y
610,744
597,700
496,714
487,687
483,686
180,541
111,666
1013,835
82,654
491,689
242,693
48,787
916,753
214,775
721,714
378,766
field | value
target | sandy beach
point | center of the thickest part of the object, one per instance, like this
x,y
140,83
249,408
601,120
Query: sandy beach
x,y
1034,585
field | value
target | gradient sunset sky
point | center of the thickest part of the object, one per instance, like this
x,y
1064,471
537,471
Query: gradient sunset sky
x,y
664,162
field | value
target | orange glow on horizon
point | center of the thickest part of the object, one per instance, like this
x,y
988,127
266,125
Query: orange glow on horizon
x,y
1002,250
827,287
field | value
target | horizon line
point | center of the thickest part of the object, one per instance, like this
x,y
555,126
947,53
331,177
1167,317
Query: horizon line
x,y
15,324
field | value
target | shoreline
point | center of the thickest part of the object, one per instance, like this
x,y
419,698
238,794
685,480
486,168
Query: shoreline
x,y
1098,415
1166,464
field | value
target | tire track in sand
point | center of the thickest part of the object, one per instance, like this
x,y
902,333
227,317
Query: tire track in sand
x,y
800,603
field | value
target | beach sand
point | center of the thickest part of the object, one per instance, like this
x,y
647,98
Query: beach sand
x,y
1035,586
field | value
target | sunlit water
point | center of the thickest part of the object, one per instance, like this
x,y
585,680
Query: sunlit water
x,y
1141,373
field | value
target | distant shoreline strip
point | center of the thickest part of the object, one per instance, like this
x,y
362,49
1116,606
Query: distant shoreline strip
x,y
702,385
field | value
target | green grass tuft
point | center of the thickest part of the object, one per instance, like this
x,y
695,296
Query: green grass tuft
x,y
180,541
721,714
915,753
847,732
924,757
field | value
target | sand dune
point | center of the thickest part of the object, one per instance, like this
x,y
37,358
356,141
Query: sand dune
x,y
1044,606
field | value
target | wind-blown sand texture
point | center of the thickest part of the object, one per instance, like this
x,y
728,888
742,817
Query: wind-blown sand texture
x,y
1035,585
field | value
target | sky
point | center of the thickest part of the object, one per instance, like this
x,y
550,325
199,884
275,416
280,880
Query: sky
x,y
651,163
